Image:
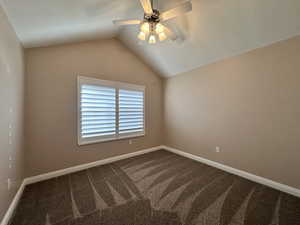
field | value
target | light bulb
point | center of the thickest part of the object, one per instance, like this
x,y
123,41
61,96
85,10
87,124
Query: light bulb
x,y
162,36
145,27
142,36
159,28
152,39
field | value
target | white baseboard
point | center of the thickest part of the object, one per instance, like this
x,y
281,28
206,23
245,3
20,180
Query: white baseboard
x,y
57,173
13,205
241,173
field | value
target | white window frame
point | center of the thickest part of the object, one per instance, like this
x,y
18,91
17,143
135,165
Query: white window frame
x,y
113,84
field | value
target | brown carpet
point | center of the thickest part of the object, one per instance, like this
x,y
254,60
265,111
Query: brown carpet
x,y
159,188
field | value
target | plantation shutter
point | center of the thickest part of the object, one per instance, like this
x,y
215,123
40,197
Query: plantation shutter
x,y
98,111
131,112
109,110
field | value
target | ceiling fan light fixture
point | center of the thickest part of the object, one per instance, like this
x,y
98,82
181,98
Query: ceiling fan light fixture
x,y
162,36
159,28
142,36
145,27
152,39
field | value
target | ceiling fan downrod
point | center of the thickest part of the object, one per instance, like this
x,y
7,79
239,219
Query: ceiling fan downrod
x,y
154,16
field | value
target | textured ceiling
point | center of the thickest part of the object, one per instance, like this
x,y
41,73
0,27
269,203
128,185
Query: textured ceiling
x,y
48,22
214,30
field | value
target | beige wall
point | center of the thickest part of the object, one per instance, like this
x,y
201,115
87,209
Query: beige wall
x,y
51,102
248,105
11,112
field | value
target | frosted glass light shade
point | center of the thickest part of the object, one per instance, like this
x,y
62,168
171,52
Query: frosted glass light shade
x,y
142,36
159,28
162,36
152,39
145,27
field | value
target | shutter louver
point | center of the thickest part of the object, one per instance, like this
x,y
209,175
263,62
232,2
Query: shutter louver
x,y
131,112
98,111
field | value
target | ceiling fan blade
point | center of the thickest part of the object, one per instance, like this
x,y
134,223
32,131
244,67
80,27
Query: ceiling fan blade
x,y
147,6
126,22
183,8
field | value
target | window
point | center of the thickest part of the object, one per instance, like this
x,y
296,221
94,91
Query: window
x,y
109,110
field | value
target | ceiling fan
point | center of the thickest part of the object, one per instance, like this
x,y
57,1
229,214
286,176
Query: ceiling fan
x,y
151,27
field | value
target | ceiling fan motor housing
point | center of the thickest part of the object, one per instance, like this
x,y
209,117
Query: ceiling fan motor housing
x,y
153,18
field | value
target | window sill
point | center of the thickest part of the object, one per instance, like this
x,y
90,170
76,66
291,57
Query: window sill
x,y
90,142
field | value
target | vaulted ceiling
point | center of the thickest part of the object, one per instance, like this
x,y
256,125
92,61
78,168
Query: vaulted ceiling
x,y
214,30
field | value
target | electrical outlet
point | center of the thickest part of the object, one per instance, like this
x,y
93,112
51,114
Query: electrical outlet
x,y
218,149
130,142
